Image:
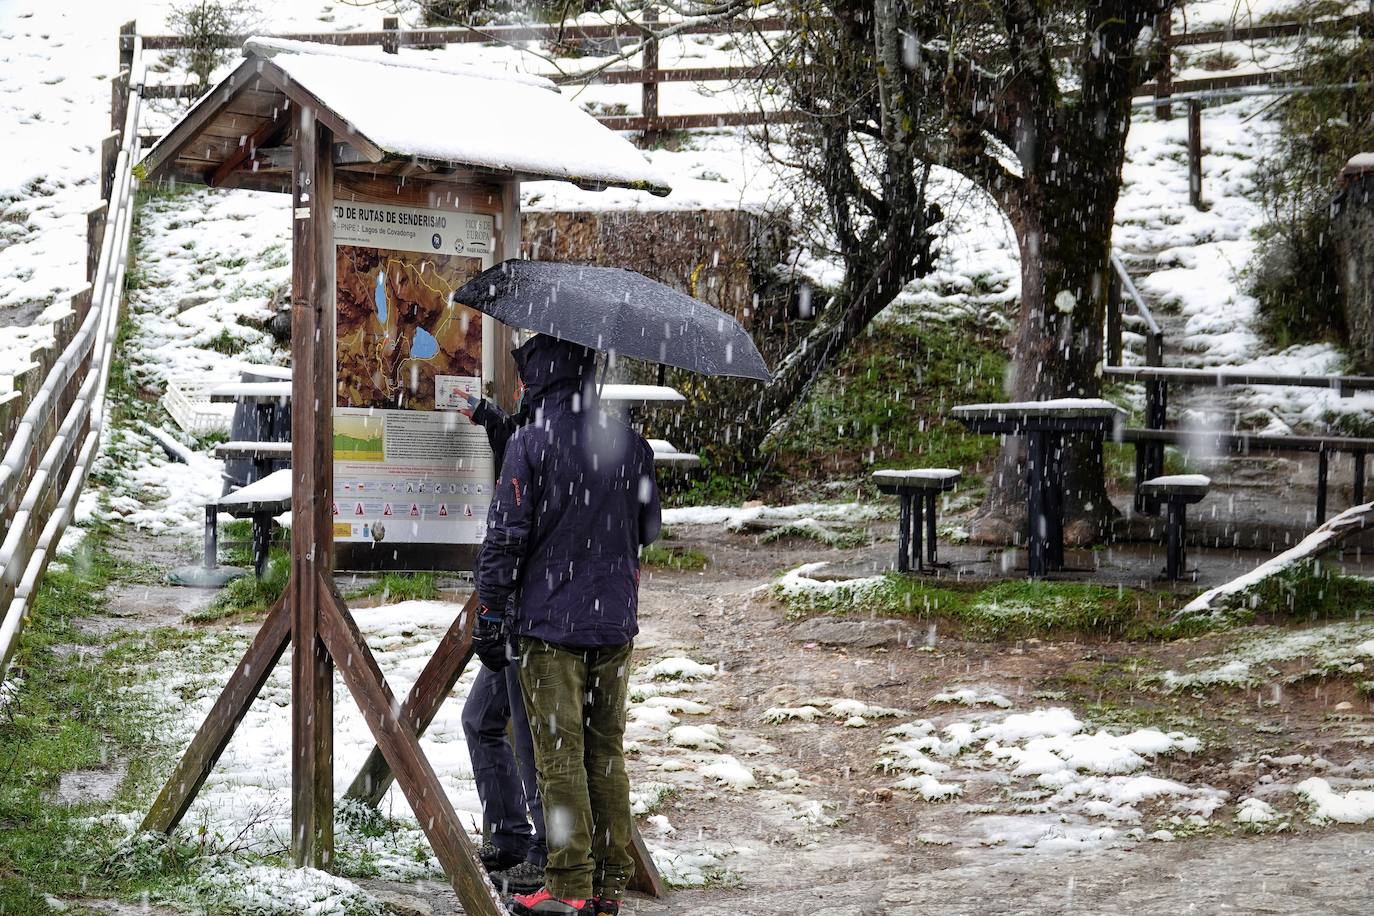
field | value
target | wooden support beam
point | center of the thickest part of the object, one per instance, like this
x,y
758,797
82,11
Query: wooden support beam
x,y
265,133
312,542
401,748
431,688
1164,78
214,734
646,878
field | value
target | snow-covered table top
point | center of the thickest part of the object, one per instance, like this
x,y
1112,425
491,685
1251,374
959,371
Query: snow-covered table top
x,y
640,395
274,488
1177,485
891,481
248,448
1056,407
250,391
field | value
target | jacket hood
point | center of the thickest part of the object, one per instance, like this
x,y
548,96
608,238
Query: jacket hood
x,y
554,371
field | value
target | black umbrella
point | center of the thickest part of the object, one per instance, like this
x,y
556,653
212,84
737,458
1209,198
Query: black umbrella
x,y
618,311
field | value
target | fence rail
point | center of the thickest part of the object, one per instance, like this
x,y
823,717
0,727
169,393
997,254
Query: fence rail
x,y
651,122
53,442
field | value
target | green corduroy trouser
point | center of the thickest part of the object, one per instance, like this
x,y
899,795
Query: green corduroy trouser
x,y
576,699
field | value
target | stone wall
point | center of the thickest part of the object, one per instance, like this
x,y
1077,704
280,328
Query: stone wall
x,y
1353,237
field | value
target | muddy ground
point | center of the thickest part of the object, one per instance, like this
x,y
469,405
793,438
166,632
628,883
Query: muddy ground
x,y
882,850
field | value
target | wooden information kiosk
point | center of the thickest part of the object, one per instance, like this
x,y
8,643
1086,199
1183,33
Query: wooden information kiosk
x,y
404,173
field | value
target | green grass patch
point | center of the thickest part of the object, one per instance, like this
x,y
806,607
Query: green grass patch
x,y
70,712
249,595
1003,610
663,556
885,403
400,586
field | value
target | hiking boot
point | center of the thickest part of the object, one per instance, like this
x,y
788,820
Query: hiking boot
x,y
525,878
605,907
542,903
494,858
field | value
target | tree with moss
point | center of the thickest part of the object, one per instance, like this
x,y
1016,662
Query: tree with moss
x,y
1030,100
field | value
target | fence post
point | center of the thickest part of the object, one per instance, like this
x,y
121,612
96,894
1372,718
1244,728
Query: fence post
x,y
1113,316
126,44
119,103
1195,153
95,234
109,154
1164,78
649,91
391,41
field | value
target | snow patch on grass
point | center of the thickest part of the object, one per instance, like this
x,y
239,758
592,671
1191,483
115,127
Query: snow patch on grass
x,y
801,590
679,668
1330,806
262,890
968,696
1049,763
1337,648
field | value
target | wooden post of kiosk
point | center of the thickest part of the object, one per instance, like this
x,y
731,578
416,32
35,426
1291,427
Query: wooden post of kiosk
x,y
330,161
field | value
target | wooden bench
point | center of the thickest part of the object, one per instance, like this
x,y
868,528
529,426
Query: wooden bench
x,y
1243,443
1176,491
917,489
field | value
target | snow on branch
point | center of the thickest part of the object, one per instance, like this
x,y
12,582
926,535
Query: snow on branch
x,y
1323,540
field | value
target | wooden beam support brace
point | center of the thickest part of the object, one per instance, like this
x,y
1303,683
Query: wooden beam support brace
x,y
401,748
265,133
213,737
312,468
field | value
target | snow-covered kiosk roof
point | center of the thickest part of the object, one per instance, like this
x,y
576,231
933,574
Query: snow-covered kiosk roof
x,y
391,116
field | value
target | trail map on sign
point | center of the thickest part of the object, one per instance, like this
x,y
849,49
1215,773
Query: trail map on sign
x,y
408,467
398,327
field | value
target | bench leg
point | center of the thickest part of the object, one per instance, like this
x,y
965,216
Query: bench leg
x,y
1322,469
1036,561
903,532
930,528
262,541
211,536
1173,563
917,505
1053,488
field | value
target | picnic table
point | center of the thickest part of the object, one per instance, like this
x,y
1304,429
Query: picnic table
x,y
1044,425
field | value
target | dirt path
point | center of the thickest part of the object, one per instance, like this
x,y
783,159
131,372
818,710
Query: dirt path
x,y
821,829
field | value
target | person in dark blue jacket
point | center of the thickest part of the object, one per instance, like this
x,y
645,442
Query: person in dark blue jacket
x,y
507,786
575,501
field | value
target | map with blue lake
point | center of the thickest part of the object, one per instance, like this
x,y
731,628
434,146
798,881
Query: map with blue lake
x,y
398,327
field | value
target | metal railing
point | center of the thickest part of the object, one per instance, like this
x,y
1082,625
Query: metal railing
x,y
49,455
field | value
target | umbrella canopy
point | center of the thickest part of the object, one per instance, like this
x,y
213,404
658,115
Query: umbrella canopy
x,y
617,311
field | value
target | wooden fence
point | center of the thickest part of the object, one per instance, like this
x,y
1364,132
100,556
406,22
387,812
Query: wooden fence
x,y
52,421
391,37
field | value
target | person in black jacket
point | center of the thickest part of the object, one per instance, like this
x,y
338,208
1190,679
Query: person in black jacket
x,y
507,786
574,503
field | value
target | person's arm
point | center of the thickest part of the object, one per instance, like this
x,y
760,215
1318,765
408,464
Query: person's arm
x,y
498,425
650,511
510,520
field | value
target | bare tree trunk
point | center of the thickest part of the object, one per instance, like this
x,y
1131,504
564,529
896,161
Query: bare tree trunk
x,y
1064,245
